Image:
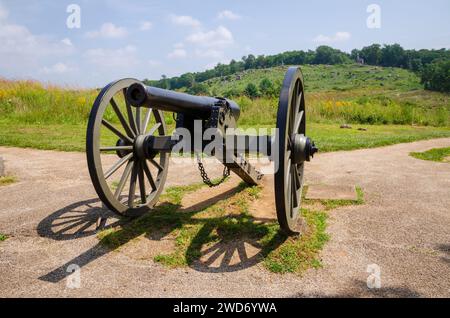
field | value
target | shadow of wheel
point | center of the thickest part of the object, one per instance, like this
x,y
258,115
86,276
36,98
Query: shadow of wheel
x,y
77,220
229,255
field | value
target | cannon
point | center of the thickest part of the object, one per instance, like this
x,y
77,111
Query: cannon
x,y
127,121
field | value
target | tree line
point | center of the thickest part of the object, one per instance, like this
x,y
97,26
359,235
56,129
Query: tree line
x,y
432,65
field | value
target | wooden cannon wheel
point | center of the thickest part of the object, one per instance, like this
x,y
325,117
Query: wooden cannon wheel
x,y
132,184
291,124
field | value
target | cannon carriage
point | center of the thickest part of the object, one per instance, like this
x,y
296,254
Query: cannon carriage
x,y
142,144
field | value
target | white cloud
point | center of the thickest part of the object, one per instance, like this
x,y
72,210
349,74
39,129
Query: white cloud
x,y
219,38
3,13
184,20
154,63
22,53
338,37
177,54
227,14
18,41
145,25
210,53
67,42
122,57
179,45
58,68
108,30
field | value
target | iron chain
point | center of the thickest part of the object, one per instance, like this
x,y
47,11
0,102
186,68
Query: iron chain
x,y
205,177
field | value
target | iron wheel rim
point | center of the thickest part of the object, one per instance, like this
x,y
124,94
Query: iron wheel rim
x,y
94,157
291,120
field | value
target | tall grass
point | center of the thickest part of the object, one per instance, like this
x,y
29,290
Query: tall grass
x,y
375,109
330,98
359,109
31,102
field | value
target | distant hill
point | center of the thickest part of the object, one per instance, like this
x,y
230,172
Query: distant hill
x,y
320,78
347,93
432,66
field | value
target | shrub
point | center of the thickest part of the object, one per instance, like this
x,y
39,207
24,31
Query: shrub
x,y
198,89
251,91
267,88
436,76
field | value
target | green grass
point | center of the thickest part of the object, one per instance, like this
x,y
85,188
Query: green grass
x,y
332,138
329,137
381,99
321,78
296,255
436,154
3,237
224,223
344,94
340,93
7,180
64,137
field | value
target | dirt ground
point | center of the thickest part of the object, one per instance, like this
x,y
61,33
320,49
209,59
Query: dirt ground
x,y
403,229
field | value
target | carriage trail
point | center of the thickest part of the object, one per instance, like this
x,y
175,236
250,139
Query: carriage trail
x,y
403,229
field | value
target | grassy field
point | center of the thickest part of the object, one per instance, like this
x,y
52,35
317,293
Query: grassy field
x,y
340,93
324,78
437,154
329,137
388,101
344,94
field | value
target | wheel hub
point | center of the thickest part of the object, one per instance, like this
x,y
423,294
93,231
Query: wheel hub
x,y
139,147
303,148
143,149
121,153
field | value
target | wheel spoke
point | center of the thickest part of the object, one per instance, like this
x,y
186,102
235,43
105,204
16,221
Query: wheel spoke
x,y
142,183
297,103
288,193
115,148
294,190
288,170
108,125
157,165
146,121
138,119
153,129
298,121
298,182
129,112
149,175
299,100
122,119
123,179
131,193
117,165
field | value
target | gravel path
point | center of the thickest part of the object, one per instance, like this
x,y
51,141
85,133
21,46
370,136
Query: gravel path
x,y
404,228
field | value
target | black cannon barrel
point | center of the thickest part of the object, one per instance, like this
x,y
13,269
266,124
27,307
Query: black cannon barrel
x,y
147,96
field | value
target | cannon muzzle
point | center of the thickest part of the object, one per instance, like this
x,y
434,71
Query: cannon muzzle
x,y
140,95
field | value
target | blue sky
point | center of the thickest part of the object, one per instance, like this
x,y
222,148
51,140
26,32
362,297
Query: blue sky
x,y
145,39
